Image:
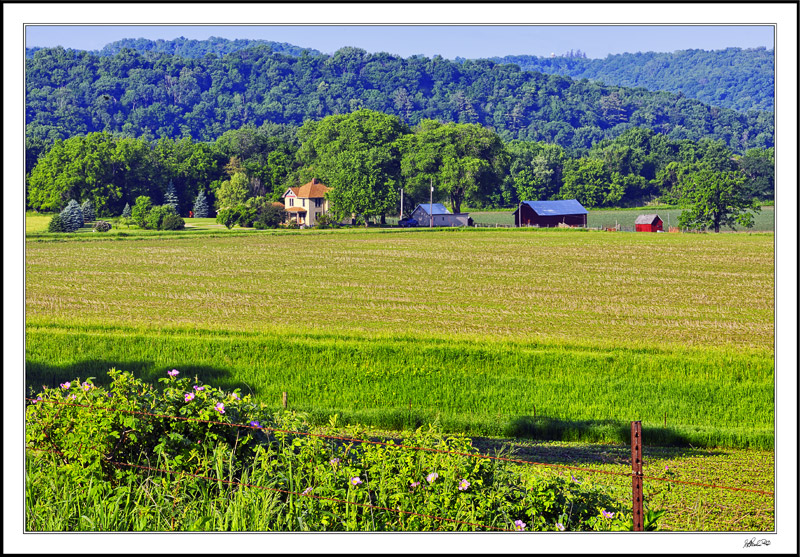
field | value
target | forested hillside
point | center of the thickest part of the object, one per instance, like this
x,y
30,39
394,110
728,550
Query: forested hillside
x,y
191,48
742,79
153,95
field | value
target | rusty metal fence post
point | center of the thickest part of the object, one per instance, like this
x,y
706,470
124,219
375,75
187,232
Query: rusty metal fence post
x,y
636,475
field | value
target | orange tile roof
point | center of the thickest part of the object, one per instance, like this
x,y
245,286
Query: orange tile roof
x,y
311,190
295,210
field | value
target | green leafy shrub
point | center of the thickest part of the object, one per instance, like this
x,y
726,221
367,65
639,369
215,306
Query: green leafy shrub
x,y
327,221
141,208
155,218
102,226
56,224
227,217
172,222
243,214
271,215
92,427
246,215
111,436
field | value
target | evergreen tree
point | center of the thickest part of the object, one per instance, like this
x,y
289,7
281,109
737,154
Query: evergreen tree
x,y
171,197
201,206
88,211
126,212
72,216
56,224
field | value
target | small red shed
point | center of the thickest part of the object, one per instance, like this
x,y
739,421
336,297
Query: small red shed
x,y
649,223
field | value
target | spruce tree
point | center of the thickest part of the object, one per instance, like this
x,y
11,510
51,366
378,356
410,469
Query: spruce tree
x,y
171,197
88,211
72,216
126,212
56,224
201,206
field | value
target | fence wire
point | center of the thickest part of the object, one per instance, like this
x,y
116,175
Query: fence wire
x,y
426,449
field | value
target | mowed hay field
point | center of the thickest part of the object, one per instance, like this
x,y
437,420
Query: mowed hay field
x,y
558,334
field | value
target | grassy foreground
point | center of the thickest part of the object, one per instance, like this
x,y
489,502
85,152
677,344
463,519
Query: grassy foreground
x,y
551,334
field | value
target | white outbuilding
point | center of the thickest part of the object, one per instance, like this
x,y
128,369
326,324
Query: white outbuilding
x,y
441,216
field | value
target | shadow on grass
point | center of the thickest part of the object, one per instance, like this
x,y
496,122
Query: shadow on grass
x,y
604,431
39,375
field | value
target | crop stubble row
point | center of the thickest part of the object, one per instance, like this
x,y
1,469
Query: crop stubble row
x,y
662,289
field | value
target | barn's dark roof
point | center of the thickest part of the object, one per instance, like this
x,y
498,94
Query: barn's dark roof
x,y
646,219
558,207
438,208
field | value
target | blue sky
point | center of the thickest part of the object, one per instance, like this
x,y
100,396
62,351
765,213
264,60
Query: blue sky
x,y
597,41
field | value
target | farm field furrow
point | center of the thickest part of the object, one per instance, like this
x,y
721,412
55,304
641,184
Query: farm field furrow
x,y
545,333
652,289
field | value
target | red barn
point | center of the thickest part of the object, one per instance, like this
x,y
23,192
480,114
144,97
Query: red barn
x,y
649,223
550,213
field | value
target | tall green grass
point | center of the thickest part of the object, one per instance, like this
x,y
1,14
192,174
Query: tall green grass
x,y
550,391
557,334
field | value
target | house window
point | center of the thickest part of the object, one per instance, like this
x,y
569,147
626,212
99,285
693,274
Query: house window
x,y
317,203
304,202
291,202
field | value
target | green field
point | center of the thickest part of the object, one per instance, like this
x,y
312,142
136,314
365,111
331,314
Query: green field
x,y
608,218
544,333
36,222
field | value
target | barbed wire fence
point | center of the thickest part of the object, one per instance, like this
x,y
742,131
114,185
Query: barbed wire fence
x,y
636,474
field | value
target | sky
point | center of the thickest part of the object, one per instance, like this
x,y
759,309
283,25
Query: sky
x,y
473,41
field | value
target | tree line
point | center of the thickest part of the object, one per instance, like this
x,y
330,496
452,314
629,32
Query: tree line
x,y
154,95
741,79
366,157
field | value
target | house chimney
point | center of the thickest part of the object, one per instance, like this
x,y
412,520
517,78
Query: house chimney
x,y
313,180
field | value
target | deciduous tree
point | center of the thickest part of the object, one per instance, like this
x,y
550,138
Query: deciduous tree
x,y
712,199
141,209
465,162
355,155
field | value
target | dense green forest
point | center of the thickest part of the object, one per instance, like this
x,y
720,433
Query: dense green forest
x,y
154,95
190,48
742,79
377,153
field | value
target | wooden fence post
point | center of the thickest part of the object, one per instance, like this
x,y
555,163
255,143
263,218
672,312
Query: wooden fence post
x,y
285,399
636,467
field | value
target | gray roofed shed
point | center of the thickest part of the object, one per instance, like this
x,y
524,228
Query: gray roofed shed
x,y
436,208
441,216
646,219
